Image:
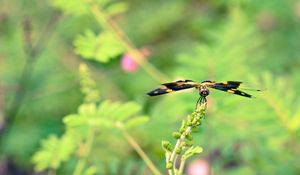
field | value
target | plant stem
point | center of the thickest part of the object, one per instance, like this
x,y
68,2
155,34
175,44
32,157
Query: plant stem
x,y
141,153
177,146
182,164
87,149
109,25
193,121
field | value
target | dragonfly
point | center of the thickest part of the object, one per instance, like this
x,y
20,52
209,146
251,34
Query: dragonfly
x,y
203,88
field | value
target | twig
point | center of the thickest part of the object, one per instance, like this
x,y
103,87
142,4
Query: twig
x,y
138,149
141,153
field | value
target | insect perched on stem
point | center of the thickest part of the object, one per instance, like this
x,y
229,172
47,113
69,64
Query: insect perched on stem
x,y
227,86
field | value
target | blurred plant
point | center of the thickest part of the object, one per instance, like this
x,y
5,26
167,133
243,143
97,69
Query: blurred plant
x,y
85,126
33,47
234,41
177,156
285,106
112,41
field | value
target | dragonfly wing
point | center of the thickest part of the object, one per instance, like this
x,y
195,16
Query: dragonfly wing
x,y
181,84
226,85
159,91
230,87
238,92
173,86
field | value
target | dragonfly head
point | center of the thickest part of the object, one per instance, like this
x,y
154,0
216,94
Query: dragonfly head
x,y
203,91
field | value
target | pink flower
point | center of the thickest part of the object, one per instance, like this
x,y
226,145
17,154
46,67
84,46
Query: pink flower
x,y
198,167
127,61
128,64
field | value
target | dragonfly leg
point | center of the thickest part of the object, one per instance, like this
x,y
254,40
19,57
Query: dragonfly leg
x,y
201,100
204,102
198,102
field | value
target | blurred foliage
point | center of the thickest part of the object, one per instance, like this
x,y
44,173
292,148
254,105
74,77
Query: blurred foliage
x,y
82,129
256,42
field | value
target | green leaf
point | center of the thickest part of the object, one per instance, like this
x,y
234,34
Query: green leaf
x,y
78,7
74,120
101,48
109,47
294,122
101,122
111,112
88,85
90,171
111,107
194,150
125,111
85,45
53,152
117,110
136,121
102,107
116,8
102,2
87,110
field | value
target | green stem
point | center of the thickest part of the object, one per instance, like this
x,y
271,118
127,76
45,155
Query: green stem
x,y
141,153
193,121
87,149
173,157
182,164
137,56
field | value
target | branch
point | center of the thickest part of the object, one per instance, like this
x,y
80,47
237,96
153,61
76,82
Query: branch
x,y
139,150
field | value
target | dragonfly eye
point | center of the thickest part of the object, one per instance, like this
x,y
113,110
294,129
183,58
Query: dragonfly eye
x,y
204,92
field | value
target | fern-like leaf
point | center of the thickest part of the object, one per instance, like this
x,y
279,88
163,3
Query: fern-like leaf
x,y
102,47
53,152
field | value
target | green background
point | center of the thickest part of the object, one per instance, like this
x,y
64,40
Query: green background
x,y
256,42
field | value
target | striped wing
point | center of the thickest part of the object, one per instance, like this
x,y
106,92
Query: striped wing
x,y
173,86
230,87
